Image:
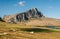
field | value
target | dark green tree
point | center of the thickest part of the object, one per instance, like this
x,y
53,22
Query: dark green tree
x,y
1,19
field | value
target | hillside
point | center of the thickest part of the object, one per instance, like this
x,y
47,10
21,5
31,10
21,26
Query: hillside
x,y
44,21
19,31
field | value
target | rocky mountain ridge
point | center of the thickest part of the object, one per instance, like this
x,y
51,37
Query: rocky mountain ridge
x,y
24,16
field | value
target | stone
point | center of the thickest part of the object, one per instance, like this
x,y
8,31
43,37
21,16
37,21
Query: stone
x,y
3,33
31,32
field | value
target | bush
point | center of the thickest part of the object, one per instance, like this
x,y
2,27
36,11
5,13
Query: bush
x,y
1,19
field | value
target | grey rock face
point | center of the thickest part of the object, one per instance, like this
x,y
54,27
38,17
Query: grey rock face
x,y
32,13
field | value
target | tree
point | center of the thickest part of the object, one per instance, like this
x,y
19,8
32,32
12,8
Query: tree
x,y
1,19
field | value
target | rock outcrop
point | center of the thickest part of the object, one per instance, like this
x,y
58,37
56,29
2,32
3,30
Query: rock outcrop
x,y
24,16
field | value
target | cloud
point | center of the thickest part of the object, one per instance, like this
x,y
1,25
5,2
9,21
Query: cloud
x,y
21,3
49,8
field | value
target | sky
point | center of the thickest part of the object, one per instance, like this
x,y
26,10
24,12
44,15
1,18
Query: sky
x,y
49,8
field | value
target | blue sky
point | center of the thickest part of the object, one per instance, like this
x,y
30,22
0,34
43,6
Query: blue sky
x,y
49,8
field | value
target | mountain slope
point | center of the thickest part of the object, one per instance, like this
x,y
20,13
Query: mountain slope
x,y
24,16
13,31
44,22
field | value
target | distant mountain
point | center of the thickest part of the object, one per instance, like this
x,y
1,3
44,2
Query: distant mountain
x,y
32,17
24,16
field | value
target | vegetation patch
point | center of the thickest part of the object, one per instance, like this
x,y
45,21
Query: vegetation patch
x,y
36,30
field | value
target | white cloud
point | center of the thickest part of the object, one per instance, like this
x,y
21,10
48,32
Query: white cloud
x,y
21,3
50,7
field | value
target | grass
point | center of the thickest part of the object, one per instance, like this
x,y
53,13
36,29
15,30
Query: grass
x,y
22,32
36,30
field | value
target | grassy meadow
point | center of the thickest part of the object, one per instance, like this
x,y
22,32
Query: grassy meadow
x,y
22,31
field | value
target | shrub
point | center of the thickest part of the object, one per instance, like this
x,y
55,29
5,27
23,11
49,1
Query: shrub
x,y
1,19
